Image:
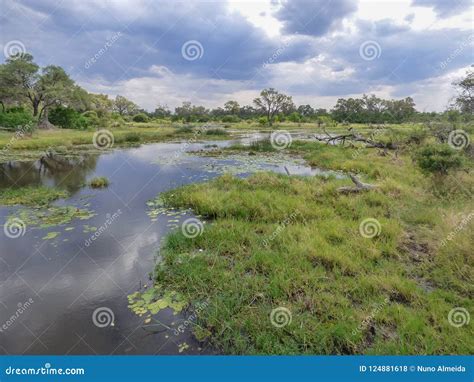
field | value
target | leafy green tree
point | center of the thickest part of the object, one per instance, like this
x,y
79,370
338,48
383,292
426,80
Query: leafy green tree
x,y
271,102
465,99
232,107
124,106
438,159
161,111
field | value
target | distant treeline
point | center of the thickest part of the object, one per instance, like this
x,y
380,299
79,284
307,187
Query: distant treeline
x,y
30,95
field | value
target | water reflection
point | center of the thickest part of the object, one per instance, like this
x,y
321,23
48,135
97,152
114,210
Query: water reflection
x,y
52,170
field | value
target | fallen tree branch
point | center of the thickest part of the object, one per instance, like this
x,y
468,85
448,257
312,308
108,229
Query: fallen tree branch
x,y
360,186
353,137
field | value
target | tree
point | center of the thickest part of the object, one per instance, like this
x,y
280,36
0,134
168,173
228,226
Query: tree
x,y
161,111
124,106
271,102
18,77
101,103
42,89
306,110
465,100
232,107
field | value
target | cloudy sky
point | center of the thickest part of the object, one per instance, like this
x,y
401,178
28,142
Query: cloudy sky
x,y
207,52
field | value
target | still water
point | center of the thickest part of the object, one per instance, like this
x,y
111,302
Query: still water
x,y
53,278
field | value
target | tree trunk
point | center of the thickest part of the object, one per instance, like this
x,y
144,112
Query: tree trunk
x,y
44,123
35,108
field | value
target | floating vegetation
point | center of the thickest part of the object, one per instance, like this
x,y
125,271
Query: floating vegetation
x,y
154,300
51,235
99,182
52,216
87,228
182,347
31,196
156,207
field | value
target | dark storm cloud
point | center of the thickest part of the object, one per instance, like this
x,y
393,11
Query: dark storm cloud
x,y
445,8
151,33
313,17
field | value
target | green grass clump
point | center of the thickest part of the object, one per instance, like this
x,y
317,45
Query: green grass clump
x,y
31,196
99,182
295,243
216,132
132,137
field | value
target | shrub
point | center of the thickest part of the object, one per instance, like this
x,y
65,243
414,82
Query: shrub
x,y
67,118
417,136
262,121
132,137
140,117
92,118
230,118
438,159
15,118
186,129
99,182
216,132
294,117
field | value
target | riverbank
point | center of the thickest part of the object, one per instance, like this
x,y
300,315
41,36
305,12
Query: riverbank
x,y
289,265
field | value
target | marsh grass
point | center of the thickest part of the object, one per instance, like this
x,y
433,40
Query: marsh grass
x,y
99,182
347,294
31,196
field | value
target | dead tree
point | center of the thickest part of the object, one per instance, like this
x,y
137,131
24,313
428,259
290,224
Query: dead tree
x,y
360,186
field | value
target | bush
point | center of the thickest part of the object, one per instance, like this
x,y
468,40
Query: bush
x,y
186,129
15,118
99,182
140,117
216,131
67,118
92,118
262,121
230,118
294,117
438,159
132,137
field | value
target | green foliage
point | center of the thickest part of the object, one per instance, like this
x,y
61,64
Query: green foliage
x,y
15,118
30,196
438,159
294,117
140,117
92,118
216,132
99,182
262,121
67,118
230,119
132,137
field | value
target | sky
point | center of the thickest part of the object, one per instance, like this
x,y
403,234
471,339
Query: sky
x,y
208,52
